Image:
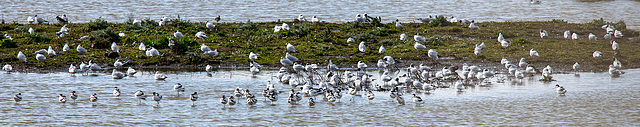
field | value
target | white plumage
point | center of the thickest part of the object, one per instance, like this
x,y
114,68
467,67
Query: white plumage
x,y
50,51
543,33
597,54
178,34
500,37
592,36
290,48
433,54
201,35
212,53
117,74
419,46
574,36
418,38
533,53
403,37
381,49
80,49
40,57
362,47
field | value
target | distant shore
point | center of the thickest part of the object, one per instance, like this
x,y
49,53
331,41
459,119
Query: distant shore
x,y
317,43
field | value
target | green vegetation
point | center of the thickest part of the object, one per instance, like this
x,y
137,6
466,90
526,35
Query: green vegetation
x,y
318,42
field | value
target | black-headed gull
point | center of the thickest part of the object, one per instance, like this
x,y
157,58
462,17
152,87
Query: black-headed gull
x,y
362,47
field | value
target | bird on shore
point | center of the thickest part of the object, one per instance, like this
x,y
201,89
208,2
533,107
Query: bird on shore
x,y
543,33
290,48
574,36
433,54
403,37
381,49
201,35
575,67
115,47
253,56
73,96
39,20
208,68
350,40
362,47
419,46
473,25
592,36
567,34
217,18
477,50
40,57
500,37
291,57
617,34
121,34
210,25
80,49
21,56
159,76
65,48
137,22
193,97
142,47
597,54
315,19
533,53
285,62
31,30
116,92
51,52
178,34
212,53
7,68
398,25
178,88
504,43
119,64
418,38
17,97
157,97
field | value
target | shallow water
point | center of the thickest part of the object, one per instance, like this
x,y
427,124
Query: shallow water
x,y
593,99
331,11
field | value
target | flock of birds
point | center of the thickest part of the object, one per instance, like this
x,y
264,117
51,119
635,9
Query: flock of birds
x,y
310,81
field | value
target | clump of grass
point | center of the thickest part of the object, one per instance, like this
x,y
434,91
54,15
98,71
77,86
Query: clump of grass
x,y
301,30
558,21
440,21
520,41
366,37
37,38
94,25
248,26
7,43
178,22
182,45
103,38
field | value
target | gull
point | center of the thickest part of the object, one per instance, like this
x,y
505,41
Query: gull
x,y
617,34
224,100
315,19
453,20
425,20
80,49
73,96
610,29
370,95
31,30
204,48
62,98
159,76
140,96
7,36
201,35
533,53
7,68
114,47
65,48
546,72
178,34
254,70
433,54
389,60
297,67
418,38
210,25
217,18
116,92
121,34
212,53
359,18
93,97
301,18
142,47
253,56
209,68
64,29
597,54
473,26
50,51
574,36
119,64
137,22
504,43
41,51
193,97
381,49
459,86
285,62
576,66
567,34
614,45
84,38
178,88
535,2
331,66
381,64
617,64
40,20
403,37
419,46
592,36
30,19
290,48
291,57
362,47
543,33
117,74
40,57
477,50
285,26
362,65
152,52
157,97
500,37
530,69
350,39
17,97
607,36
398,25
277,28
400,100
560,90
131,71
21,56
614,71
